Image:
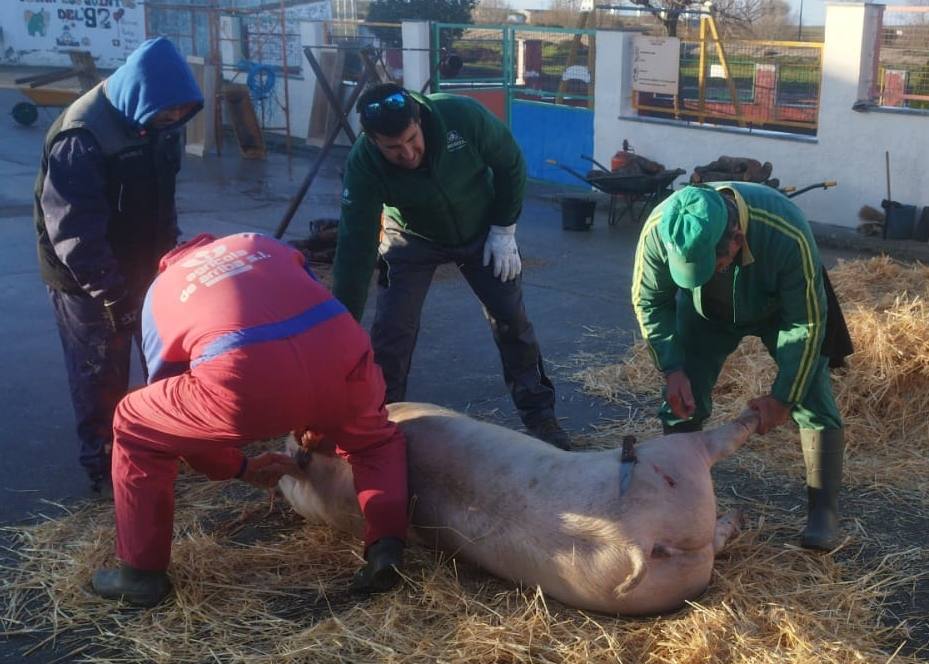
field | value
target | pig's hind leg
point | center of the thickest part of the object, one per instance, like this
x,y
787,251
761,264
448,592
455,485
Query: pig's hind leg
x,y
674,576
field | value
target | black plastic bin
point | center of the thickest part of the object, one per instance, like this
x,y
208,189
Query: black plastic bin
x,y
577,214
899,220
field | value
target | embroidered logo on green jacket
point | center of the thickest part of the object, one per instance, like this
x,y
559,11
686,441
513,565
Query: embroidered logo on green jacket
x,y
455,141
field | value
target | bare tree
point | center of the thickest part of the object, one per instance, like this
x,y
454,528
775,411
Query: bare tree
x,y
496,5
758,18
733,15
493,11
668,11
564,13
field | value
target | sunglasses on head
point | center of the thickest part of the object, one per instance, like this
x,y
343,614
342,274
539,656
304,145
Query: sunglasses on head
x,y
393,102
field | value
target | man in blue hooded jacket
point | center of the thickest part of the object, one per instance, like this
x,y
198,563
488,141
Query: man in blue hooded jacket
x,y
104,215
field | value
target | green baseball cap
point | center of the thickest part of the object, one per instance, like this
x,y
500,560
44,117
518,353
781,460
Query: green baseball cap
x,y
692,223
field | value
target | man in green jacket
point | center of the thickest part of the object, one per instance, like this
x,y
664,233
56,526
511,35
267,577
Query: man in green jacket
x,y
438,179
715,264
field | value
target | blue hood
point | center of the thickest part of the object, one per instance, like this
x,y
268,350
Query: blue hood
x,y
154,77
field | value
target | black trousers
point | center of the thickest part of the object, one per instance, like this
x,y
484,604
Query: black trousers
x,y
98,364
407,264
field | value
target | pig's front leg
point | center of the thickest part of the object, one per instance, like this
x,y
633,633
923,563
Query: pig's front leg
x,y
727,526
726,440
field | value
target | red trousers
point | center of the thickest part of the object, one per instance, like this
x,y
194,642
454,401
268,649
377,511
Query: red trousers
x,y
324,379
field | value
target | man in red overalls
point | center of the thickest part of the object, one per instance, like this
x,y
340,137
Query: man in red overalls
x,y
243,344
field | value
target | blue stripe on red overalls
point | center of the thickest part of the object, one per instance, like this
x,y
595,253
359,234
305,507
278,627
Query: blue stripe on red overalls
x,y
310,318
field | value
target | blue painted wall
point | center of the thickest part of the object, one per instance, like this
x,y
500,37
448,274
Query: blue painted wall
x,y
546,131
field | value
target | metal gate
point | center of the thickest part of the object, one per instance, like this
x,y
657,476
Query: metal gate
x,y
540,81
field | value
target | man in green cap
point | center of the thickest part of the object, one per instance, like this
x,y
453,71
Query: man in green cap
x,y
733,259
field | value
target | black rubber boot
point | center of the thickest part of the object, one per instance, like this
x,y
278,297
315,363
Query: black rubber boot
x,y
681,427
382,571
551,432
134,586
823,453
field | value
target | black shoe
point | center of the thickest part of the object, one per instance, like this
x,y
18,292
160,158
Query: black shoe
x,y
382,572
134,586
101,486
551,432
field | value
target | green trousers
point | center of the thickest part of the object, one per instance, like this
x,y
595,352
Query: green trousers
x,y
708,343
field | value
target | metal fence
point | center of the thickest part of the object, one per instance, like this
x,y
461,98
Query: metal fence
x,y
554,65
481,54
382,41
192,28
262,50
259,45
548,65
904,58
770,84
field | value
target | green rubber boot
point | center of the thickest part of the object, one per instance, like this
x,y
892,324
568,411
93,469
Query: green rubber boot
x,y
134,586
823,453
381,573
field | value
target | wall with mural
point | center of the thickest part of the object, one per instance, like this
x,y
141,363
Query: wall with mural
x,y
40,32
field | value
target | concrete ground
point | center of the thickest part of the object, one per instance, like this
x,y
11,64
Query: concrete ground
x,y
576,288
574,282
576,285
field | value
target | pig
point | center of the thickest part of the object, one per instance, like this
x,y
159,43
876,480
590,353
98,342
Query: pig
x,y
526,511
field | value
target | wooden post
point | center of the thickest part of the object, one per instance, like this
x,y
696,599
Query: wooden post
x,y
201,130
591,68
737,107
242,116
701,74
323,114
284,75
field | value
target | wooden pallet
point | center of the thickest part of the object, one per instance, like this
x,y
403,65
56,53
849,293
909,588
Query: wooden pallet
x,y
241,114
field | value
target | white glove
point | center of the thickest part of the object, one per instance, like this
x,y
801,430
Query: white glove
x,y
501,245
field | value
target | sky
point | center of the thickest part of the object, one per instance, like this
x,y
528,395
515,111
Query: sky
x,y
814,11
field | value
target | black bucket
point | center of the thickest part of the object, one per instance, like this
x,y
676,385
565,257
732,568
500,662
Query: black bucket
x,y
899,220
577,214
921,232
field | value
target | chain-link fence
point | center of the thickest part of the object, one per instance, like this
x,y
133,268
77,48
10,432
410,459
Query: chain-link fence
x,y
904,58
765,84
